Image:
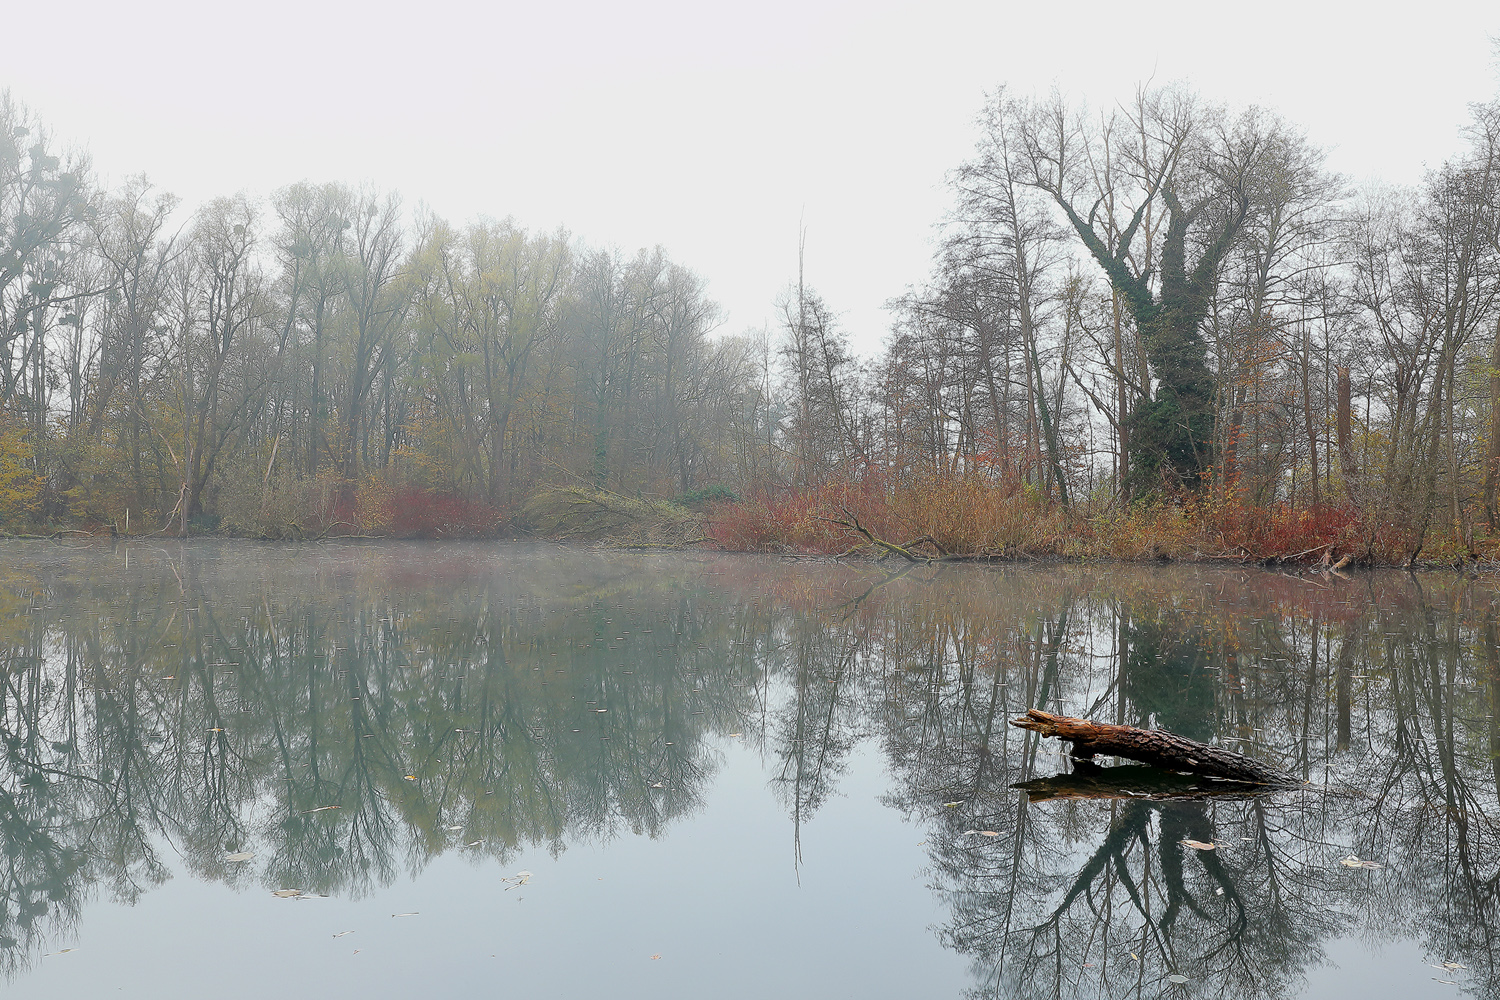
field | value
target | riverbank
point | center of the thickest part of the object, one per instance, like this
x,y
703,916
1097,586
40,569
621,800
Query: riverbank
x,y
938,521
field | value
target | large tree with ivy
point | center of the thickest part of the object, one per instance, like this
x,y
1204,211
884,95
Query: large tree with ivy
x,y
1158,193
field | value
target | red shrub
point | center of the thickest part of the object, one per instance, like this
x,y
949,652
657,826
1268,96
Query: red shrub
x,y
798,520
430,514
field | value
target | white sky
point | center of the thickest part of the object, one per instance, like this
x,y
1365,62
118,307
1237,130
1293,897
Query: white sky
x,y
707,128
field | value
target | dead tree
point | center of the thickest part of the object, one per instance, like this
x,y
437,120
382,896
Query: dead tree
x,y
1156,747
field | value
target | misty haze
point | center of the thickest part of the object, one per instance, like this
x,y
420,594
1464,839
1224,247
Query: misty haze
x,y
659,500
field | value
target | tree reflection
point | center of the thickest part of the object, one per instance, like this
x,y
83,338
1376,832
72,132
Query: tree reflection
x,y
348,718
1381,693
345,740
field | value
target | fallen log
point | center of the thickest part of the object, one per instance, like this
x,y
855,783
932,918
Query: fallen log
x,y
1156,747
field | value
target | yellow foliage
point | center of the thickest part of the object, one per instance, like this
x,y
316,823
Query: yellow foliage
x,y
20,486
374,505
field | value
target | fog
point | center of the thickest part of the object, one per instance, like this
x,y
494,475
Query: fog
x,y
712,131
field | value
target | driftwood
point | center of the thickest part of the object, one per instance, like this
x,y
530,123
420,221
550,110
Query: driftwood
x,y
1129,781
1156,747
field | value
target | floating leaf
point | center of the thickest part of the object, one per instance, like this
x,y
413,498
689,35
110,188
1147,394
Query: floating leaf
x,y
63,951
1352,862
413,913
287,893
952,805
655,958
411,777
1198,845
1177,978
989,833
343,934
241,856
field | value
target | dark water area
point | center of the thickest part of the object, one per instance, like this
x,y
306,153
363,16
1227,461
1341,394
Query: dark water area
x,y
386,770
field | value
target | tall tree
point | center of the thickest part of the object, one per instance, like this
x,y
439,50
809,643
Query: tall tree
x,y
1167,169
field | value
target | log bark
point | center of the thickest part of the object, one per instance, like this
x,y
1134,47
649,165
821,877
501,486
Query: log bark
x,y
1156,747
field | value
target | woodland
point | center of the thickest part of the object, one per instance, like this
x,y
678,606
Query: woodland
x,y
1157,330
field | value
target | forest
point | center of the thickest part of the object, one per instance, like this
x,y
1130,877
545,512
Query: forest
x,y
1158,330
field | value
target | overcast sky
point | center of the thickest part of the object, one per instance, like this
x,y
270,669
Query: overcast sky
x,y
707,128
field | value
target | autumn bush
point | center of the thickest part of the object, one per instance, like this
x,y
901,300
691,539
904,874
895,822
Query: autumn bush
x,y
976,515
583,514
328,505
799,520
419,513
20,486
959,514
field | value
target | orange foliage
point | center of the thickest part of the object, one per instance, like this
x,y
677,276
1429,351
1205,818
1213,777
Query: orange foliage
x,y
974,515
967,514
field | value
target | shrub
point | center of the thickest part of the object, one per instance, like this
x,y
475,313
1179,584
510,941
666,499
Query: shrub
x,y
706,497
578,514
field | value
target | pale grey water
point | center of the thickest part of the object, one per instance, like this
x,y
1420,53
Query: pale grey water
x,y
727,776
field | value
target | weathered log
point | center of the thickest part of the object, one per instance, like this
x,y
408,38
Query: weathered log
x,y
1131,781
1156,747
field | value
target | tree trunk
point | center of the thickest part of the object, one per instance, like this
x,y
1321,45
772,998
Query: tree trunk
x,y
1492,465
1310,425
1156,747
1346,439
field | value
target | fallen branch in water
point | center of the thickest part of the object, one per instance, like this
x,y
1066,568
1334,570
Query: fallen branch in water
x,y
1156,747
890,548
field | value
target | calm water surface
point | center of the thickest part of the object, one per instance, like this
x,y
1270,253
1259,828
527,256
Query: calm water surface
x,y
238,770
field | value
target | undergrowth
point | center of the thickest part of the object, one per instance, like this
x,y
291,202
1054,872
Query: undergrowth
x,y
973,516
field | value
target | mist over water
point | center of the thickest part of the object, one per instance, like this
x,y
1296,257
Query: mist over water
x,y
560,771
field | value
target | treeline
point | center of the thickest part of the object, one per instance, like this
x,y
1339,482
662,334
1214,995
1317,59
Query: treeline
x,y
322,357
1167,299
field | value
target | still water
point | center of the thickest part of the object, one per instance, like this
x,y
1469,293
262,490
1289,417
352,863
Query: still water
x,y
393,770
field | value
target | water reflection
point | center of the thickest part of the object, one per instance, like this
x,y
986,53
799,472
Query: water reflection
x,y
347,714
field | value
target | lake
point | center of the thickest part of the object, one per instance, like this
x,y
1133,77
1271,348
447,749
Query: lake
x,y
235,769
